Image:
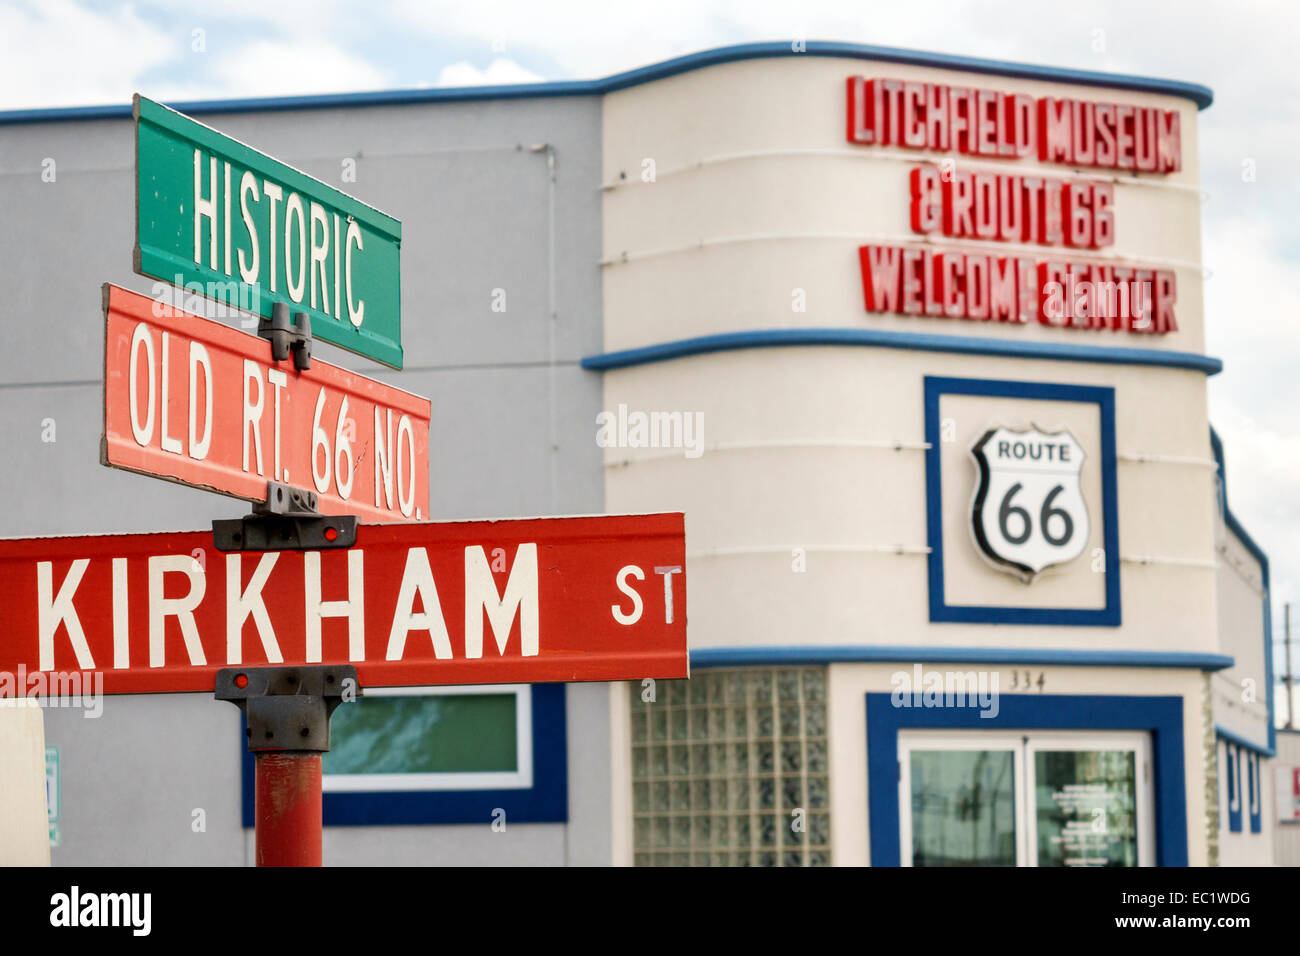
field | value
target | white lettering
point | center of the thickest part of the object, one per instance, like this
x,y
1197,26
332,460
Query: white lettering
x,y
199,446
241,603
417,578
354,608
52,611
620,579
182,608
169,443
279,379
668,571
249,269
205,209
384,460
357,312
143,433
274,193
520,598
253,413
406,489
319,250
293,213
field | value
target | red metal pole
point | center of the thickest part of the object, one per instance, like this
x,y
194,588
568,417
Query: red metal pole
x,y
287,795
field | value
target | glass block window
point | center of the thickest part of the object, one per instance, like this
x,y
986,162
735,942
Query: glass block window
x,y
729,768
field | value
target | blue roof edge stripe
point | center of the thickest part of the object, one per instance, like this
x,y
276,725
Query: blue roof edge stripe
x,y
923,342
1228,735
1202,96
703,657
1216,444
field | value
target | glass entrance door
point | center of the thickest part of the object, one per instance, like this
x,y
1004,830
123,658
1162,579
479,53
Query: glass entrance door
x,y
1025,799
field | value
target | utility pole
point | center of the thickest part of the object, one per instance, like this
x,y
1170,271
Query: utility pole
x,y
1287,680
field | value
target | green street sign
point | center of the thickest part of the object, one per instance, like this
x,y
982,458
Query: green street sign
x,y
218,219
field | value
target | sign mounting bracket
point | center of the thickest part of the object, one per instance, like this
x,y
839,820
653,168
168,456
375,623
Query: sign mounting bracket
x,y
288,708
287,521
286,337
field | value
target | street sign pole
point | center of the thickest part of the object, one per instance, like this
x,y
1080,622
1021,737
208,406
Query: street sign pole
x,y
287,712
288,800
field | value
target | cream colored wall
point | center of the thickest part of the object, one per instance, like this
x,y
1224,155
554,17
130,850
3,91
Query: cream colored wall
x,y
24,817
798,218
1241,691
620,773
848,685
747,509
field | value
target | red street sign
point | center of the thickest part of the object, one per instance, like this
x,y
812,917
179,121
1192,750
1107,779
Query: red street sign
x,y
469,602
194,401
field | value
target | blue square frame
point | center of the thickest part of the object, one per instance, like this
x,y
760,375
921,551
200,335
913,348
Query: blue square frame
x,y
546,801
1104,399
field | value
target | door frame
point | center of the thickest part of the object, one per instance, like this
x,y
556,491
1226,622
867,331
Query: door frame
x,y
911,740
1023,745
1161,716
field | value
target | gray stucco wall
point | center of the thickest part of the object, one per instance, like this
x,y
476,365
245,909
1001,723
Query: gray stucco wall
x,y
512,430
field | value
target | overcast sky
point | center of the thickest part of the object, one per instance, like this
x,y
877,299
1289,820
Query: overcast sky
x,y
60,52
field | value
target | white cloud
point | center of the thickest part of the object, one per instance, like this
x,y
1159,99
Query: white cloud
x,y
1251,303
285,68
60,54
499,72
591,38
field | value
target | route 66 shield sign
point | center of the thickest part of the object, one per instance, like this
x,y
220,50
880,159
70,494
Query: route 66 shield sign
x,y
1028,512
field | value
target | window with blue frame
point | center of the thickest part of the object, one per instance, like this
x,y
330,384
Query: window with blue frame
x,y
1234,787
409,738
441,755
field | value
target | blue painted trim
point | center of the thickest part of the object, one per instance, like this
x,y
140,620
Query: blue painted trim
x,y
1233,525
547,801
1255,805
1233,753
940,610
1198,94
1162,717
912,341
1242,742
909,654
